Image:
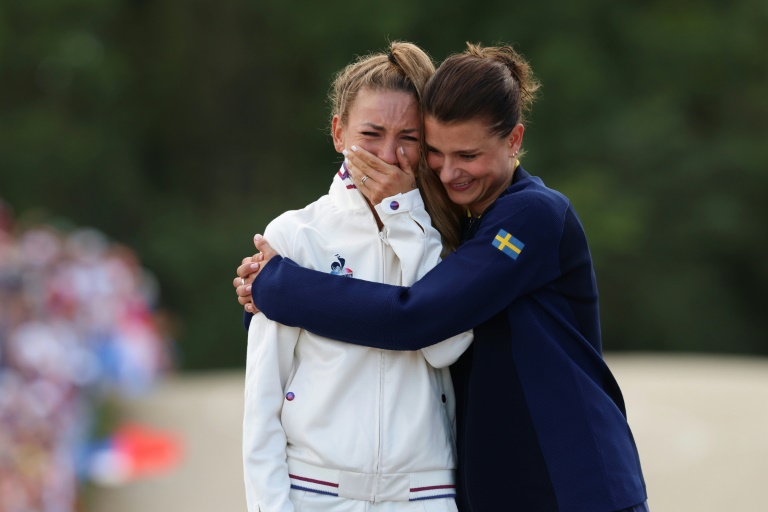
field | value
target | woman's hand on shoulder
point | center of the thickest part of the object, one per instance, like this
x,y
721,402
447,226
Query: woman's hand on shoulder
x,y
377,179
249,269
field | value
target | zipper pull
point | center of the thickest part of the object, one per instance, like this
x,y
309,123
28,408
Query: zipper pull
x,y
383,236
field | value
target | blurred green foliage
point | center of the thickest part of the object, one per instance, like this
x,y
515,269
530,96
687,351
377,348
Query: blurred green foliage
x,y
182,127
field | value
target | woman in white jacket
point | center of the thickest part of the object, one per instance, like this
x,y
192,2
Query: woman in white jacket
x,y
330,426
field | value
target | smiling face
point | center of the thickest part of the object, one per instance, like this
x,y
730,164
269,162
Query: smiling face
x,y
381,122
474,165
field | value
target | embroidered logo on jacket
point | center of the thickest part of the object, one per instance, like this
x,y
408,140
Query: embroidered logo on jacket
x,y
508,244
338,268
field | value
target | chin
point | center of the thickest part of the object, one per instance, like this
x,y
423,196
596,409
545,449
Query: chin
x,y
458,198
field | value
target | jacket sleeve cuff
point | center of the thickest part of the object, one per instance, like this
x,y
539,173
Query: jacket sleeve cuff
x,y
400,203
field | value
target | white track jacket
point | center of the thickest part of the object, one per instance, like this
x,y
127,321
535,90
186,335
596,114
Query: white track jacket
x,y
312,402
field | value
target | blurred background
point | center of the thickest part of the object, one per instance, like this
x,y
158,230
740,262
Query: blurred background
x,y
143,143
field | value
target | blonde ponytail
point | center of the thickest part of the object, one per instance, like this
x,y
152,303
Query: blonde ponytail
x,y
406,68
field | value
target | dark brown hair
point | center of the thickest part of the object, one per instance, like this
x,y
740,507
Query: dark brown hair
x,y
494,83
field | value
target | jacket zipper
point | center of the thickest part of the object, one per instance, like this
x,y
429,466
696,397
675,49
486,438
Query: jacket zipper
x,y
382,250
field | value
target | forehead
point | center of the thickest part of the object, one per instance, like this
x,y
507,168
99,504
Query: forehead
x,y
391,109
456,136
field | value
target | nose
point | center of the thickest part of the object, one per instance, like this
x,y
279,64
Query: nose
x,y
387,152
436,163
447,171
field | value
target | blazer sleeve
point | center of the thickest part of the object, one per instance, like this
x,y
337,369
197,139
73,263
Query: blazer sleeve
x,y
408,230
483,277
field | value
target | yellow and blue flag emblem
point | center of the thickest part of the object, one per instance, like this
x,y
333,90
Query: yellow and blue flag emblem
x,y
508,244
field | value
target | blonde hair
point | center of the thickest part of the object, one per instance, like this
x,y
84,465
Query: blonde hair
x,y
405,68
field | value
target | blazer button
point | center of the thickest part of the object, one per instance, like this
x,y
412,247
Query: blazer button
x,y
289,396
394,205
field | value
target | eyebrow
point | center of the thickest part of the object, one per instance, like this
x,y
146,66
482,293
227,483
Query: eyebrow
x,y
382,129
458,151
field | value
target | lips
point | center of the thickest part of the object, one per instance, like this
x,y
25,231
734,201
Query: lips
x,y
460,186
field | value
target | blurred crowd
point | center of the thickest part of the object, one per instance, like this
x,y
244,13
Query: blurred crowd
x,y
76,327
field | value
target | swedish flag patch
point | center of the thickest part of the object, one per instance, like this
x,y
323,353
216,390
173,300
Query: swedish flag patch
x,y
508,244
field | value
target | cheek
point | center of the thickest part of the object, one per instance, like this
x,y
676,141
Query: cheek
x,y
354,139
370,146
502,169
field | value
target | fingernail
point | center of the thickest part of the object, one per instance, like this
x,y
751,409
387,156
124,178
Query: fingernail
x,y
344,152
257,237
354,148
248,288
248,307
346,161
254,266
402,151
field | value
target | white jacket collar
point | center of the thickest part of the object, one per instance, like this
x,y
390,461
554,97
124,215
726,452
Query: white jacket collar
x,y
345,194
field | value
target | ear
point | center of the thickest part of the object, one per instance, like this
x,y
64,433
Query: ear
x,y
515,139
337,130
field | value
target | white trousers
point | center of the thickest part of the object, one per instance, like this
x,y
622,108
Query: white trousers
x,y
306,501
